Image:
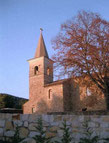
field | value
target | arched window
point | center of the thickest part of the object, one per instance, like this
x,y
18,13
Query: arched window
x,y
49,94
48,71
36,70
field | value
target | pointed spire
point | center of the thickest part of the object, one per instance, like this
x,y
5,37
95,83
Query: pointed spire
x,y
41,48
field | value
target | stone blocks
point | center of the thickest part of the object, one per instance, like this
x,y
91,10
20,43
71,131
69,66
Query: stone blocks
x,y
52,125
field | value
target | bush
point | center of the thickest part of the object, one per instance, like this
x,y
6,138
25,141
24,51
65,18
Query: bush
x,y
66,138
15,139
88,134
41,137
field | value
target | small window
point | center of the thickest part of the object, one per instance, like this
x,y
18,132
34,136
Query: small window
x,y
33,110
48,71
36,70
88,92
49,94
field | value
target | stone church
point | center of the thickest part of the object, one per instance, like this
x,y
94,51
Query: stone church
x,y
46,95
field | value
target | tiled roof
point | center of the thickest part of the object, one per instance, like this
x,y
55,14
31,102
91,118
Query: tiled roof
x,y
56,82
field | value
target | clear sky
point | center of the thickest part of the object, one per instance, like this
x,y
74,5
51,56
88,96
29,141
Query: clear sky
x,y
20,22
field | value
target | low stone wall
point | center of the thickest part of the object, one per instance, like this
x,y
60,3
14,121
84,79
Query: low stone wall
x,y
52,123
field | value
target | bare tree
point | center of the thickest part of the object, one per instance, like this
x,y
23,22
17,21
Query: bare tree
x,y
82,48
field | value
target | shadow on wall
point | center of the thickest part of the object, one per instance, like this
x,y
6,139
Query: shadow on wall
x,y
69,101
71,96
92,102
58,102
54,104
91,97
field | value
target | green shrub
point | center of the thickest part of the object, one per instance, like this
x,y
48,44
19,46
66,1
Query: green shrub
x,y
1,141
41,136
66,138
106,140
88,134
16,138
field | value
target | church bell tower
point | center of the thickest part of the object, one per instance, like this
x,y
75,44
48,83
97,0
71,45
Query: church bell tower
x,y
40,70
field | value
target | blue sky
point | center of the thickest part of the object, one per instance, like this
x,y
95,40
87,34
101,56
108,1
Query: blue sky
x,y
20,22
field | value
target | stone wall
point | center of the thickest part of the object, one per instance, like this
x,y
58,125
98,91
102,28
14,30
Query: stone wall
x,y
52,123
55,102
71,99
91,97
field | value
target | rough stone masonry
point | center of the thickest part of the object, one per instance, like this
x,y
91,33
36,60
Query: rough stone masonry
x,y
52,123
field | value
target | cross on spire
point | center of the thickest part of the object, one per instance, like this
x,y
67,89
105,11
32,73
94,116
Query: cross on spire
x,y
41,30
